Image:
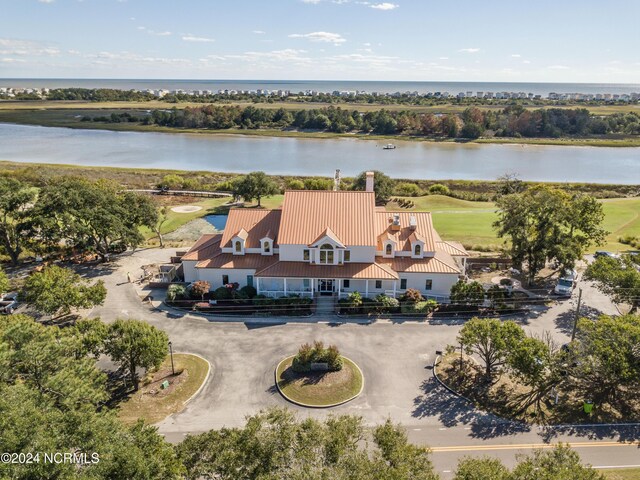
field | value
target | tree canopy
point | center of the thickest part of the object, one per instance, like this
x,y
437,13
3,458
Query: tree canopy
x,y
57,290
16,203
547,224
382,185
254,185
134,344
618,278
92,215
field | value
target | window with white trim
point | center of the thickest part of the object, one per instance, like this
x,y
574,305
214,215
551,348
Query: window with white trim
x,y
326,254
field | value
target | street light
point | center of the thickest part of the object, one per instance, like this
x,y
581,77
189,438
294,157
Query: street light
x,y
173,370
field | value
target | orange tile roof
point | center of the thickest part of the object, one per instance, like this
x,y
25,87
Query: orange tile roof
x,y
348,270
452,248
424,230
437,264
207,246
306,214
228,260
256,223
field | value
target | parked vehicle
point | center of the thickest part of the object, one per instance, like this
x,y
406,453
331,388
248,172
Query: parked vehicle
x,y
604,253
9,303
566,283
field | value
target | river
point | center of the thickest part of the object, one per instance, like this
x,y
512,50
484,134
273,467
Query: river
x,y
303,156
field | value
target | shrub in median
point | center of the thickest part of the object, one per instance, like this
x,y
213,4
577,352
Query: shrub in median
x,y
317,353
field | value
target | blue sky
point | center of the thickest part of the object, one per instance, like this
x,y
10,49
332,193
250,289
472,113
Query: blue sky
x,y
464,40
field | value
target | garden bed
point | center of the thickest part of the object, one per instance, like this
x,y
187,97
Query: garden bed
x,y
319,389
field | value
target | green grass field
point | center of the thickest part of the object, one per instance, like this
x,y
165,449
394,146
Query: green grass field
x,y
622,474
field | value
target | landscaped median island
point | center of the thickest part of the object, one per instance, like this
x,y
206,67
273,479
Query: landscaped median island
x,y
162,393
318,377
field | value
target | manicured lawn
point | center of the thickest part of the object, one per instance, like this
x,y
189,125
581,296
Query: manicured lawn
x,y
319,389
152,404
176,220
622,217
622,473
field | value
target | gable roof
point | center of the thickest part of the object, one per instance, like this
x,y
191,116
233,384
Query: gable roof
x,y
256,223
455,249
362,271
441,263
328,233
207,246
307,214
403,237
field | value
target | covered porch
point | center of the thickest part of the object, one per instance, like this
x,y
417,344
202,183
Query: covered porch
x,y
338,287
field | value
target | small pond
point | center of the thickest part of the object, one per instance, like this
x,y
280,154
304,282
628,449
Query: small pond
x,y
218,221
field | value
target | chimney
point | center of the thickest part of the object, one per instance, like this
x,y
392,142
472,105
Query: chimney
x,y
369,181
336,180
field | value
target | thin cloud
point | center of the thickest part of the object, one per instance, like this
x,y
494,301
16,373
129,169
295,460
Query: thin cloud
x,y
558,67
469,50
193,38
45,1
326,37
384,6
516,55
259,32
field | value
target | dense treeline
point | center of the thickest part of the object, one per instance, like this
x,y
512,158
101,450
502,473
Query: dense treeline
x,y
98,95
513,121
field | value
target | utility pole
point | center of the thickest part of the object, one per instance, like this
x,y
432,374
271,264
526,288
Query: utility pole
x,y
173,370
575,321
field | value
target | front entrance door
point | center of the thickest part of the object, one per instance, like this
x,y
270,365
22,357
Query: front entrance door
x,y
325,286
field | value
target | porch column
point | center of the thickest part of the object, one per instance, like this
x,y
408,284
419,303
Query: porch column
x,y
339,282
258,286
394,288
313,288
285,287
366,288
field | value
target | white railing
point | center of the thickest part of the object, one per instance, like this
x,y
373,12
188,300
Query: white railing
x,y
281,293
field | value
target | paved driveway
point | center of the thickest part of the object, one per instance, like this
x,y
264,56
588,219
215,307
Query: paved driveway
x,y
395,359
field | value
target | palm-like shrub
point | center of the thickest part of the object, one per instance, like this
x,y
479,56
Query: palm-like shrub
x,y
317,353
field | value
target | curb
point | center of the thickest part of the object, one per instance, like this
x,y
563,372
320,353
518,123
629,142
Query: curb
x,y
306,405
206,377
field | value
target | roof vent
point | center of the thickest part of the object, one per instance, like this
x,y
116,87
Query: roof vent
x,y
413,222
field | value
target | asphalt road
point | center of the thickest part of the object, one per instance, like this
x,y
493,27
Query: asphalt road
x,y
395,358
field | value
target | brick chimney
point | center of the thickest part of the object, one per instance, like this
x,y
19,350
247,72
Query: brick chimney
x,y
369,181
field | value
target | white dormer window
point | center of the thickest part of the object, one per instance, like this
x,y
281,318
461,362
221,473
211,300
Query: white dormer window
x,y
326,254
417,250
238,242
267,246
388,249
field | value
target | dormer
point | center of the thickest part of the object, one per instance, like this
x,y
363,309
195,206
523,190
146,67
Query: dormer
x,y
238,242
388,246
266,245
417,245
327,237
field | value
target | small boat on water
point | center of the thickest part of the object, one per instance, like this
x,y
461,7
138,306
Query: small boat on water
x,y
389,146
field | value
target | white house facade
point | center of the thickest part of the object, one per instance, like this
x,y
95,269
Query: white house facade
x,y
328,243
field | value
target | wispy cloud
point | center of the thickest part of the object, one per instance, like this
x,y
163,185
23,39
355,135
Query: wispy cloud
x,y
9,46
45,1
516,55
469,50
193,38
558,67
259,32
384,6
165,33
326,37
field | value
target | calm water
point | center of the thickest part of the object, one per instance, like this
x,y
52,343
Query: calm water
x,y
322,85
298,156
218,221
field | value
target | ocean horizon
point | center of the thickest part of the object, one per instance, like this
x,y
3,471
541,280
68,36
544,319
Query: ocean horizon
x,y
295,86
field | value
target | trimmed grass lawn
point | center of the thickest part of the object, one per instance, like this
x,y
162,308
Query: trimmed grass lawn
x,y
154,408
312,391
175,220
621,473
